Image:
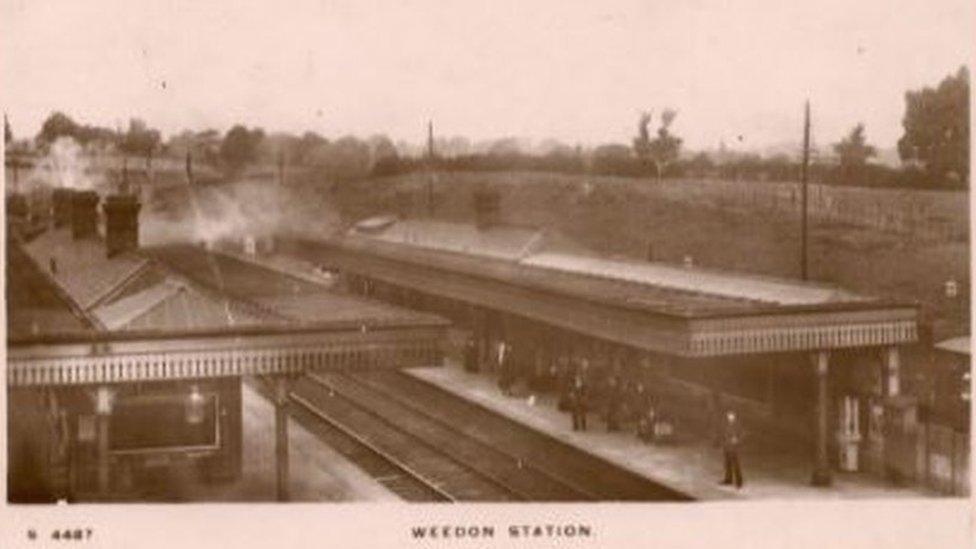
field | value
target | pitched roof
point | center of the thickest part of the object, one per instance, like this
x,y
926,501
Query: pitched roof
x,y
281,296
34,304
82,268
130,291
171,305
656,287
328,307
500,241
695,280
121,312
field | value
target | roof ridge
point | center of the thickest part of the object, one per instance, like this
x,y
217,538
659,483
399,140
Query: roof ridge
x,y
785,283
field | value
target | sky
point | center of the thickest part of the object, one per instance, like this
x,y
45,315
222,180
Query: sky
x,y
579,72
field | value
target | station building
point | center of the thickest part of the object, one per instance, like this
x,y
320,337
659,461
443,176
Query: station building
x,y
125,364
809,364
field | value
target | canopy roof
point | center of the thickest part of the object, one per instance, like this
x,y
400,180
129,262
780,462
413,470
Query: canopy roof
x,y
653,306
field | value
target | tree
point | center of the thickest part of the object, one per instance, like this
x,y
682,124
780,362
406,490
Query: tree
x,y
96,135
613,159
307,146
455,146
506,146
700,165
936,126
240,147
57,125
661,151
347,158
853,152
381,149
140,140
279,147
780,167
204,146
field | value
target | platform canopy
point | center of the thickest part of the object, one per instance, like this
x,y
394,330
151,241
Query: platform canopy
x,y
184,312
127,357
670,309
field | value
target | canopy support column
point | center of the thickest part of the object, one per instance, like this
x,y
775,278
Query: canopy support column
x,y
821,472
103,411
892,364
281,386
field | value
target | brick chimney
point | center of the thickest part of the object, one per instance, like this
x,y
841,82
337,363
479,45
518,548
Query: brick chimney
x,y
84,214
121,223
61,206
487,208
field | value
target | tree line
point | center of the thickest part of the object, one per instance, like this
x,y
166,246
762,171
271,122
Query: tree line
x,y
934,149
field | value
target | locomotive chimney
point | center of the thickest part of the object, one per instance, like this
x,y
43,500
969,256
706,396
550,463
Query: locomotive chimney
x,y
84,214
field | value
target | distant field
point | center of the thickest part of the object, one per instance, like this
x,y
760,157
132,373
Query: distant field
x,y
900,244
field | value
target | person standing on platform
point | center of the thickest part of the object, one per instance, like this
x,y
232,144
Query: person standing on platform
x,y
646,425
564,384
731,440
470,355
491,359
505,367
640,399
613,398
578,399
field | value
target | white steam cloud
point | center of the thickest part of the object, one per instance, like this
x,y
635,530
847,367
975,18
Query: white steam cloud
x,y
230,212
67,165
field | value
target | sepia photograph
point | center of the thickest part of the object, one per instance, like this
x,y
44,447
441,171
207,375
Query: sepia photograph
x,y
340,263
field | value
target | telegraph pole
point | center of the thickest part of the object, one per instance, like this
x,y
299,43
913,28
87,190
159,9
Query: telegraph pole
x,y
430,139
281,168
189,168
803,191
430,168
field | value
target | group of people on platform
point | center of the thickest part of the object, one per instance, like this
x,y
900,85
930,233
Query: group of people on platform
x,y
583,390
622,400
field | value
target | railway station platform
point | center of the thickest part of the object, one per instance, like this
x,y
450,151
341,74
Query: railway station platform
x,y
690,464
317,472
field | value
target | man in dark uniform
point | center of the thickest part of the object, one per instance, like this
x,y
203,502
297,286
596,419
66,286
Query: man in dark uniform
x,y
731,439
578,399
470,355
613,399
506,369
564,384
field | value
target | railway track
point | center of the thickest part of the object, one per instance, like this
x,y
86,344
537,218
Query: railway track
x,y
385,469
518,479
587,474
426,444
